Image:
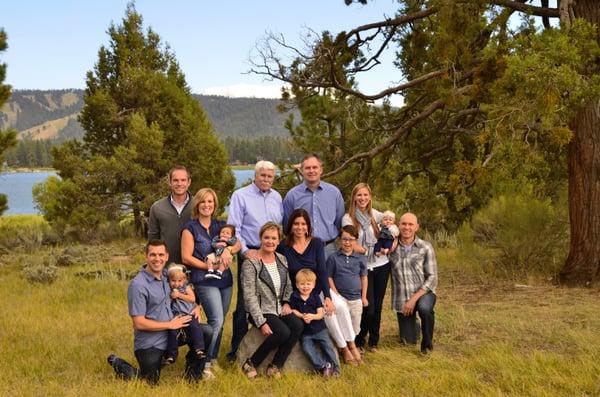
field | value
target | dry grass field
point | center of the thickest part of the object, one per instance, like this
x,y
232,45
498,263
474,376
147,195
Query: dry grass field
x,y
492,338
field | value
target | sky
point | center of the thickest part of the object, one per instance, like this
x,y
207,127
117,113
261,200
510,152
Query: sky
x,y
52,44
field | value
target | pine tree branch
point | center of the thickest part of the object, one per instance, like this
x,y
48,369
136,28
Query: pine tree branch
x,y
399,134
394,22
547,12
388,91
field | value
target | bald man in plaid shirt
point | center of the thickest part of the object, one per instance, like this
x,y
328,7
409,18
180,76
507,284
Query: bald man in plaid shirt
x,y
414,278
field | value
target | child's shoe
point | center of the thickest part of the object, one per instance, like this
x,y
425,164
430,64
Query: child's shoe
x,y
211,274
168,360
200,353
327,370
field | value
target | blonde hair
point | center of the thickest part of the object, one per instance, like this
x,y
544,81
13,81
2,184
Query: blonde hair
x,y
175,268
352,207
268,226
199,197
389,214
305,275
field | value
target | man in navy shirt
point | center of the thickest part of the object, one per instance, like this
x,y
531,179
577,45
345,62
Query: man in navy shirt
x,y
323,202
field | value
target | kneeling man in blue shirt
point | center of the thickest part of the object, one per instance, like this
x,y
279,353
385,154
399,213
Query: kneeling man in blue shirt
x,y
150,310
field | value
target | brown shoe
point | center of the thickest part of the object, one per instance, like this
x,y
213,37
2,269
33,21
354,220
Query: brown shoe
x,y
273,372
249,370
357,356
348,357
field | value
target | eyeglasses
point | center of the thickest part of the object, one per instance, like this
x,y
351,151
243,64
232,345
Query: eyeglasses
x,y
348,239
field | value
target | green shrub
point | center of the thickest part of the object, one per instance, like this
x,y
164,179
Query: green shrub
x,y
516,235
24,232
44,274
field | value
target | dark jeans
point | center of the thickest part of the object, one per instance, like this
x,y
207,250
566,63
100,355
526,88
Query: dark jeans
x,y
239,319
286,332
409,329
150,360
370,321
192,333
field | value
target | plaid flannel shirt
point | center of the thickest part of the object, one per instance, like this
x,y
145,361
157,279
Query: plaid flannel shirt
x,y
412,270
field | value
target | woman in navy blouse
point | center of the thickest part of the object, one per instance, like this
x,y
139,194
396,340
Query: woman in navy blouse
x,y
214,295
303,251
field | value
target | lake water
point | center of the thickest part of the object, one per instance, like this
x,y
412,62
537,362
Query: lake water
x,y
17,187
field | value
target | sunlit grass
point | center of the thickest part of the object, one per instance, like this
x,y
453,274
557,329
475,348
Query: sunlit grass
x,y
492,338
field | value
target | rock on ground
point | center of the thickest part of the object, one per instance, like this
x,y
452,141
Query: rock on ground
x,y
297,361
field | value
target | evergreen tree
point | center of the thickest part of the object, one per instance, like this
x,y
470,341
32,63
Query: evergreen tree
x,y
139,119
486,104
7,138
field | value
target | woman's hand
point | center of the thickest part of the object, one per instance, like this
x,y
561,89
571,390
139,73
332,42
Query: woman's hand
x,y
329,307
266,330
226,258
286,309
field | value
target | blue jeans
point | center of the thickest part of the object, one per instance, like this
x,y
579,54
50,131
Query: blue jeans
x,y
215,303
326,355
409,329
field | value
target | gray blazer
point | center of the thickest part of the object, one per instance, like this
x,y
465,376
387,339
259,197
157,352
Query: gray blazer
x,y
259,291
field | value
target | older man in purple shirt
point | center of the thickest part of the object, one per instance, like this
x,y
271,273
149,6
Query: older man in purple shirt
x,y
323,202
251,207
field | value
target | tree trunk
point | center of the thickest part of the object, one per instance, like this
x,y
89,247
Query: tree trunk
x,y
137,222
583,263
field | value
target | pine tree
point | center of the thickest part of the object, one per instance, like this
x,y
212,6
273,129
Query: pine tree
x,y
7,138
484,101
140,120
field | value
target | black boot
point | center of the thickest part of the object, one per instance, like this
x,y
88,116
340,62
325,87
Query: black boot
x,y
122,368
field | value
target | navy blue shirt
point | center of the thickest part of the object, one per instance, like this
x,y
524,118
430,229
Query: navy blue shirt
x,y
308,306
346,270
202,247
312,258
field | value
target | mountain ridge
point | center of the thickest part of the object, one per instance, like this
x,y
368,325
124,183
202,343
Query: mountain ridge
x,y
52,114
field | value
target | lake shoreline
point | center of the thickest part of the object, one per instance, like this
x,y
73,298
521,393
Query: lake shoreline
x,y
17,185
16,170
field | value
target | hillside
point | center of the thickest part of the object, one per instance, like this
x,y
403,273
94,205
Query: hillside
x,y
52,114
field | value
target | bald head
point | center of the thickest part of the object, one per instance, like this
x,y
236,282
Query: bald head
x,y
409,225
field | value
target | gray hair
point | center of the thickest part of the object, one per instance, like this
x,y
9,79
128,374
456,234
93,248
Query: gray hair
x,y
263,164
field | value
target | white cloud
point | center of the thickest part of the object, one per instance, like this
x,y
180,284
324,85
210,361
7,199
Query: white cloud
x,y
245,91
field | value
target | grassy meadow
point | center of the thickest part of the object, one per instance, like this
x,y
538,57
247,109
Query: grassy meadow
x,y
492,337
